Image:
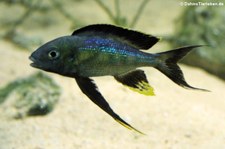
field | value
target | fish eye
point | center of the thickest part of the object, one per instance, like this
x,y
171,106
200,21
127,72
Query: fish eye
x,y
53,54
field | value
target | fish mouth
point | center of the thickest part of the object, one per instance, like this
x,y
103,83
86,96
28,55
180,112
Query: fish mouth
x,y
34,62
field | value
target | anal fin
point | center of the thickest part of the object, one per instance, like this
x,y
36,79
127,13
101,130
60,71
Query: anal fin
x,y
136,81
89,88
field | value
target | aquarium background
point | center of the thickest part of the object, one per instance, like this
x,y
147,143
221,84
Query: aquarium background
x,y
40,110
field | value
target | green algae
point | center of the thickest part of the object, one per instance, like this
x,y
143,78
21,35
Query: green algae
x,y
33,95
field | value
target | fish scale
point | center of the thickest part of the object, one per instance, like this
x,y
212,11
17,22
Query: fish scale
x,y
110,61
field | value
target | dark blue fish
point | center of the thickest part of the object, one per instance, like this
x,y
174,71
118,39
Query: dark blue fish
x,y
99,50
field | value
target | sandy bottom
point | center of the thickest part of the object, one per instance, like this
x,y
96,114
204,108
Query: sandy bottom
x,y
174,118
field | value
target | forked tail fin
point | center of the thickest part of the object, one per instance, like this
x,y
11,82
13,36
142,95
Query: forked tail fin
x,y
168,65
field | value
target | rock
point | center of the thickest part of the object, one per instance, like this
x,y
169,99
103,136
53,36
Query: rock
x,y
30,96
203,26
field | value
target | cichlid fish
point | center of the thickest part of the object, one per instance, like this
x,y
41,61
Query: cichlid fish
x,y
100,50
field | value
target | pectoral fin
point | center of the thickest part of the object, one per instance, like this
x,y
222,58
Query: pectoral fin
x,y
136,81
88,87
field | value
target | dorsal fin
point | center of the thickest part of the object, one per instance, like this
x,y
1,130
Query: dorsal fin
x,y
134,38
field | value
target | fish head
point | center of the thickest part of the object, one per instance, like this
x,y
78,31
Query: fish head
x,y
56,56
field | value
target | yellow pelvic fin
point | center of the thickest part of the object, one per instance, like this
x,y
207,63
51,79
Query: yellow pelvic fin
x,y
143,88
136,81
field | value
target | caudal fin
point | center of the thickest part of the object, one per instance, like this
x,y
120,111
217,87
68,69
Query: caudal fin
x,y
168,65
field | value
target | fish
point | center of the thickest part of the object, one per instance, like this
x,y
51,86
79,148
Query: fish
x,y
106,50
